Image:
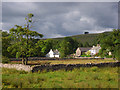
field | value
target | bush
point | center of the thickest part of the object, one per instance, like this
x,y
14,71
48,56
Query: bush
x,y
109,56
5,59
94,69
85,55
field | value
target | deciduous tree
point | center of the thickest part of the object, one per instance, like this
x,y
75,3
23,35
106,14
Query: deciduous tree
x,y
111,43
22,36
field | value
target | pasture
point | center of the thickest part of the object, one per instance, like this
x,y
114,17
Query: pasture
x,y
92,77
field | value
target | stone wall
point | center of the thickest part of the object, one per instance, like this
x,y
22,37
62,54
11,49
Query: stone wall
x,y
48,58
57,66
17,66
71,66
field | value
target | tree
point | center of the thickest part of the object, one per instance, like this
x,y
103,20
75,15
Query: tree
x,y
111,43
64,48
5,44
80,44
86,44
42,47
22,36
67,46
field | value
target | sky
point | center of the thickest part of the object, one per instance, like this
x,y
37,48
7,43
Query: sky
x,y
60,19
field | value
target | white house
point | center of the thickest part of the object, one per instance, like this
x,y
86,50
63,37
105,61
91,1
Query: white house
x,y
95,49
54,53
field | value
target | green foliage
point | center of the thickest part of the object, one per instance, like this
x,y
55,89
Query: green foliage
x,y
86,44
23,36
67,46
5,59
85,56
111,43
5,44
80,44
83,38
94,69
88,52
42,47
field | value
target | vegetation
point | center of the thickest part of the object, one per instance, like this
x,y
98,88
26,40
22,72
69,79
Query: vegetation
x,y
22,36
83,39
67,46
68,61
93,77
110,43
5,59
5,44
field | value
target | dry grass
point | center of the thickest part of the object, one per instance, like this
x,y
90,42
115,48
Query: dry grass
x,y
69,61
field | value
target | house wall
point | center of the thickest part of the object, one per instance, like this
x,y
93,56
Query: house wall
x,y
50,54
57,56
78,52
93,52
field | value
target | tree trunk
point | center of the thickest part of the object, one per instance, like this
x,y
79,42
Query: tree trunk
x,y
26,60
23,60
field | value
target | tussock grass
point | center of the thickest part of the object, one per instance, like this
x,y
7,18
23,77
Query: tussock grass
x,y
93,77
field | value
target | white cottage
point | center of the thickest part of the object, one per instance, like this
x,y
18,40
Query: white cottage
x,y
95,49
54,53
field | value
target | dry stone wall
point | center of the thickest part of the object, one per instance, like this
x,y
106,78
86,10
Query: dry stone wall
x,y
56,66
17,66
71,66
48,58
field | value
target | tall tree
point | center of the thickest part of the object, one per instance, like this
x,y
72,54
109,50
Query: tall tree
x,y
22,36
111,43
42,47
5,44
86,44
64,48
68,46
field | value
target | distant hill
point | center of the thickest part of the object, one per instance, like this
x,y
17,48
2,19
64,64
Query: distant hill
x,y
90,38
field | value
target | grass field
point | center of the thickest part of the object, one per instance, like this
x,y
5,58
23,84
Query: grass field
x,y
93,77
69,61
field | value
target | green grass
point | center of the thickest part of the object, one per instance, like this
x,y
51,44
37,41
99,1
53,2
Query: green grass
x,y
93,77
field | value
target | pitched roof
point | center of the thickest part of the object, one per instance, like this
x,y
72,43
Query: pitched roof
x,y
84,49
56,52
96,47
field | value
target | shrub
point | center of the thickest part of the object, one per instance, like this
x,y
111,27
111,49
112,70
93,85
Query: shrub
x,y
5,59
109,56
94,69
85,55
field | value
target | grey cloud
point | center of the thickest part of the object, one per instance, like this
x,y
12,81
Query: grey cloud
x,y
62,19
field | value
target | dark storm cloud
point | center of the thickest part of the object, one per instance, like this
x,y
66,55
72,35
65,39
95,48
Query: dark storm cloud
x,y
62,19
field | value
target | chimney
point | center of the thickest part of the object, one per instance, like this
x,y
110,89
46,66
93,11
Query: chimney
x,y
98,45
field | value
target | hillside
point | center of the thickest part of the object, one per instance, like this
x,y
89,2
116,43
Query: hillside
x,y
90,38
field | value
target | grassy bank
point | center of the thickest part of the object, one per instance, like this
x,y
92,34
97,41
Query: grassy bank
x,y
93,77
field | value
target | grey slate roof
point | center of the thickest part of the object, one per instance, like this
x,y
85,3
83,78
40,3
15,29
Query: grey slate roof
x,y
84,49
56,52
